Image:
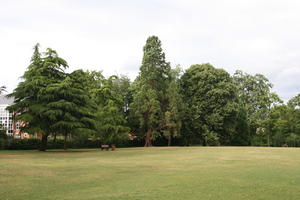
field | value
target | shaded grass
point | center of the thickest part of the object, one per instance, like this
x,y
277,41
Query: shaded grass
x,y
152,173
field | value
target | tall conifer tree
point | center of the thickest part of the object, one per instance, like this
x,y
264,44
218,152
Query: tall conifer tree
x,y
150,98
44,69
70,108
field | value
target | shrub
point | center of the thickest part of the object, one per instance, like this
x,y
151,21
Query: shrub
x,y
211,138
33,143
2,143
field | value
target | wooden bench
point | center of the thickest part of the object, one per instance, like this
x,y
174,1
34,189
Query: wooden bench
x,y
105,146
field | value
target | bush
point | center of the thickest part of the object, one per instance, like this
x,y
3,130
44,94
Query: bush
x,y
34,143
211,138
2,143
22,144
258,140
293,140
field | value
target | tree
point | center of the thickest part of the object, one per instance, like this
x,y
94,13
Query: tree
x,y
173,115
255,97
122,85
242,130
111,122
279,123
44,69
265,123
70,108
150,90
254,94
210,98
294,102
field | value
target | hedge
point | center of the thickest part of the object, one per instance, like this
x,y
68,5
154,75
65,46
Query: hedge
x,y
33,143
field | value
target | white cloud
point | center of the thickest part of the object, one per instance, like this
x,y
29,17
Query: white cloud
x,y
251,35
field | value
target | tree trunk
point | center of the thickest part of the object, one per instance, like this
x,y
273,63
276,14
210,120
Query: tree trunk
x,y
43,145
169,140
54,139
65,142
148,138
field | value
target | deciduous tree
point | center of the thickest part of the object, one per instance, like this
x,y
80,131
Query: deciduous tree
x,y
173,115
111,122
256,98
210,96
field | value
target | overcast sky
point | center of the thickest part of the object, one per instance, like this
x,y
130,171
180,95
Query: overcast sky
x,y
254,36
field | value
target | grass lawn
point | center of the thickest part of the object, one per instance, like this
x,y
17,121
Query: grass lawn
x,y
181,173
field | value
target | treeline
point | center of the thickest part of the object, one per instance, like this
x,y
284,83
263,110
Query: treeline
x,y
202,105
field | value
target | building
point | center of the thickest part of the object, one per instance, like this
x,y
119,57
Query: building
x,y
6,118
9,124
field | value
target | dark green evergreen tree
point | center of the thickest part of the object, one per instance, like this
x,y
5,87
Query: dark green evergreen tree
x,y
70,108
45,69
150,90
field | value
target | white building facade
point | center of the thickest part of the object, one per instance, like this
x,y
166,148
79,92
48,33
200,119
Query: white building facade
x,y
7,121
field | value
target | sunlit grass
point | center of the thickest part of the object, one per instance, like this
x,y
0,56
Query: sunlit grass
x,y
152,173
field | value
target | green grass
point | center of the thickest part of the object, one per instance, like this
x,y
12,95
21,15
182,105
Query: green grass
x,y
152,173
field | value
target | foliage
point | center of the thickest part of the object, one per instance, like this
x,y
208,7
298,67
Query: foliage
x,y
34,143
2,132
209,94
257,100
211,138
121,85
110,109
163,106
76,142
242,130
3,137
70,108
150,89
295,102
173,115
45,69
